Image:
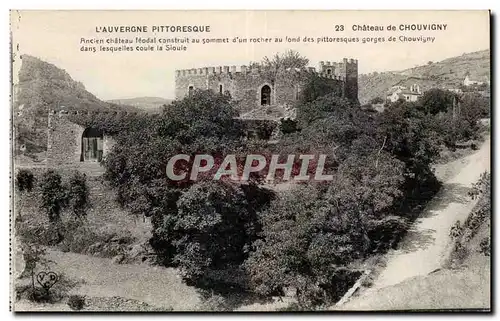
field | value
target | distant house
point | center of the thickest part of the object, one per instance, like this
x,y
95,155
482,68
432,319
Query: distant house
x,y
400,92
470,82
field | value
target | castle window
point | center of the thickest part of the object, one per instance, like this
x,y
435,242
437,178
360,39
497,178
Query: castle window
x,y
92,145
329,71
265,95
220,89
190,90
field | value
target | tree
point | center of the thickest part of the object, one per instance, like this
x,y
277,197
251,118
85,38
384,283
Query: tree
x,y
288,59
473,107
33,256
53,195
24,184
306,242
412,137
320,106
271,66
212,218
436,100
203,123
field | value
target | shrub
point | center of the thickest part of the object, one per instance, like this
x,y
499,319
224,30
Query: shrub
x,y
24,180
484,246
76,302
53,195
214,302
36,294
78,194
288,126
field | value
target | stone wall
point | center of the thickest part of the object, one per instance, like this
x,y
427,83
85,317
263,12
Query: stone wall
x,y
64,141
64,145
245,84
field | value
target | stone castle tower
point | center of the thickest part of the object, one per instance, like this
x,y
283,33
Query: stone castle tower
x,y
257,87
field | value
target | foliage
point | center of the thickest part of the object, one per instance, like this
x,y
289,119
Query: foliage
x,y
288,59
53,195
462,234
271,66
25,180
34,256
412,137
377,100
288,126
311,234
485,246
211,218
76,302
472,108
382,170
314,108
203,123
436,100
78,194
316,87
304,239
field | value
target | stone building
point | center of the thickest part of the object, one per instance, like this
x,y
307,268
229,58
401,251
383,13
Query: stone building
x,y
257,87
400,92
70,145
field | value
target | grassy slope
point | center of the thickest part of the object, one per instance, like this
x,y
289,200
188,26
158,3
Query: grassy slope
x,y
100,277
448,73
105,218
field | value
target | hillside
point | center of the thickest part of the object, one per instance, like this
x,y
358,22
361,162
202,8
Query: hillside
x,y
448,73
43,86
149,104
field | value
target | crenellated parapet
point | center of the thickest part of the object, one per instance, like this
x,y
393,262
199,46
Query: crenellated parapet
x,y
255,86
213,70
327,69
67,112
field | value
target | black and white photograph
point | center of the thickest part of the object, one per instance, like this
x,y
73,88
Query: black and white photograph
x,y
250,161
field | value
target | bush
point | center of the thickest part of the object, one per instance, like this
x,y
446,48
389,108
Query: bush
x,y
214,302
76,302
288,126
485,247
25,180
78,194
36,294
53,195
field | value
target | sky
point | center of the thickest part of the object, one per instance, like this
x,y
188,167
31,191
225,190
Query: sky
x,y
55,37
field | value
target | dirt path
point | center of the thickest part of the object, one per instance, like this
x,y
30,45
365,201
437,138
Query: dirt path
x,y
426,246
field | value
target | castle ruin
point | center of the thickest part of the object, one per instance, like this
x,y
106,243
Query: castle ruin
x,y
75,146
254,87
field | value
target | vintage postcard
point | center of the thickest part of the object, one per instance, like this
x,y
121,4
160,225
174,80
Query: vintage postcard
x,y
250,161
